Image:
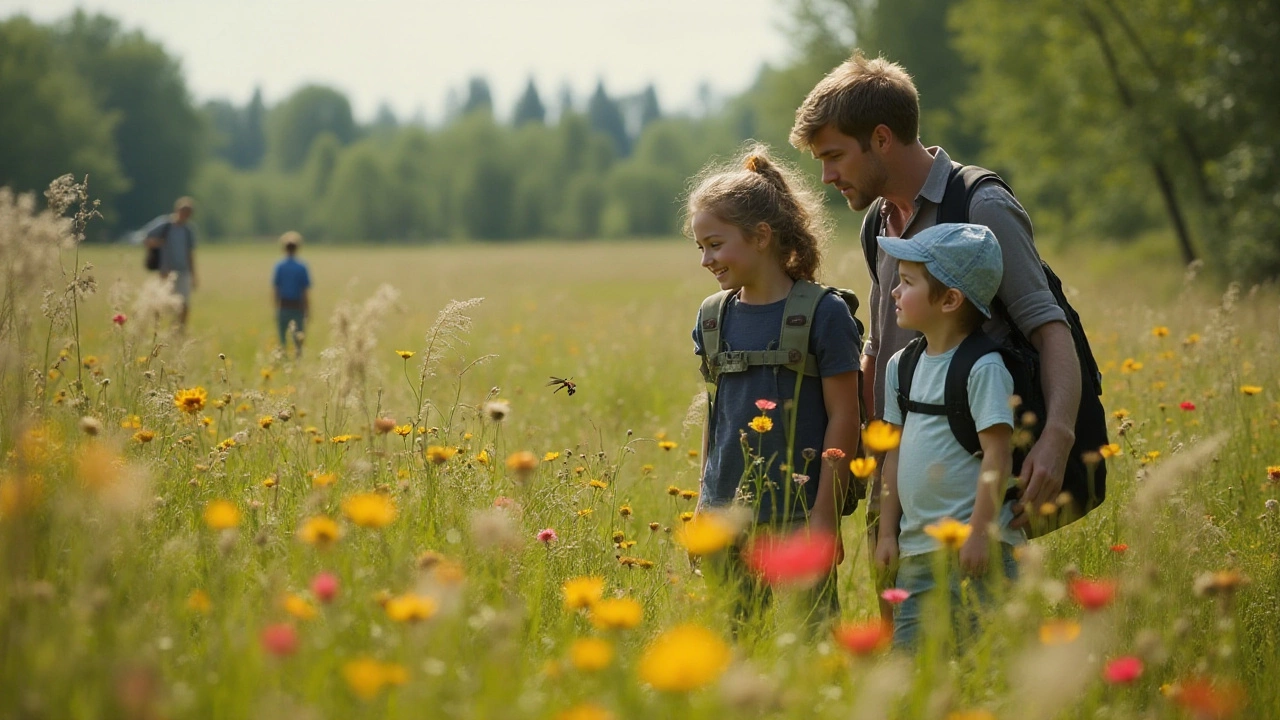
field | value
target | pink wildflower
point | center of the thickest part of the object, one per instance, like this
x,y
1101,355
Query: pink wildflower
x,y
832,454
119,318
1122,670
280,640
895,595
766,405
547,536
324,586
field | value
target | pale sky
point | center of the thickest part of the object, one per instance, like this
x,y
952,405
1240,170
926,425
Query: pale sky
x,y
411,53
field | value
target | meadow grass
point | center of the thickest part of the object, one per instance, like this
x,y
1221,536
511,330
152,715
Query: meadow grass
x,y
127,588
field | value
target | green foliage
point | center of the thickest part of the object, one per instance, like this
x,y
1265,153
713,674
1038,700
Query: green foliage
x,y
606,117
529,108
302,117
48,118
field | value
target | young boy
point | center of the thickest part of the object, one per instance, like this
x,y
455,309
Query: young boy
x,y
947,278
291,282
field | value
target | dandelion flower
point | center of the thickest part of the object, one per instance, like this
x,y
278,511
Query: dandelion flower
x,y
405,354
265,421
684,658
585,711
705,534
616,614
951,533
688,494
862,467
409,608
668,444
402,430
190,401
319,531
440,454
221,515
1160,331
625,511
761,424
582,592
323,479
552,455
590,654
369,510
1109,451
598,484
1250,389
880,436
1130,366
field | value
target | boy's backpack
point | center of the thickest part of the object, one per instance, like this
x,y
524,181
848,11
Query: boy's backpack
x,y
1085,482
152,261
793,347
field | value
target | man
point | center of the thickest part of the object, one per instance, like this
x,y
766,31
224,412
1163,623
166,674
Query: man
x,y
862,123
176,239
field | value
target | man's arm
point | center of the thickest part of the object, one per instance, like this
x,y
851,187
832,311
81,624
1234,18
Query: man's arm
x,y
1045,464
869,383
840,396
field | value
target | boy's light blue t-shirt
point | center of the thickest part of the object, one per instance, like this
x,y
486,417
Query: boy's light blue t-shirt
x,y
937,478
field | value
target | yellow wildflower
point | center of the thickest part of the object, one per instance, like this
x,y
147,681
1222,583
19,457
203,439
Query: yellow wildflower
x,y
705,533
370,510
323,479
862,467
625,511
880,436
552,455
667,445
482,457
684,658
583,592
440,454
367,677
1160,331
265,421
269,482
1109,451
590,654
585,711
410,608
402,430
319,531
405,354
144,436
1059,632
190,401
198,601
1250,389
598,484
297,606
522,462
761,424
951,533
221,515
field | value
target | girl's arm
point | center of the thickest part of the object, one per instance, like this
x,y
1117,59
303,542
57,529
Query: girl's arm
x,y
997,463
840,396
890,511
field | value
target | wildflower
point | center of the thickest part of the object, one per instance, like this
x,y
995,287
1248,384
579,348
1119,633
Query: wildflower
x,y
324,586
1250,389
144,436
799,479
269,482
761,424
654,526
683,659
590,654
297,606
190,401
522,463
384,425
279,640
971,715
598,484
323,479
1160,331
1273,473
1130,365
1187,405
686,516
369,510
1208,699
440,454
646,469
1119,548
1109,451
497,410
667,445
863,638
582,592
550,456
547,536
341,439
693,453
1150,457
119,319
410,608
880,436
402,430
832,454
862,467
1120,414
405,354
625,511
951,533
1122,670
584,512
1059,632
616,614
618,536
706,533
504,502
1093,594
893,596
265,421
1221,582
90,361
585,711
221,515
672,490
800,559
1191,339
198,601
367,677
132,422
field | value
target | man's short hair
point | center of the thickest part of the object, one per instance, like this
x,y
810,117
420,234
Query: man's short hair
x,y
184,203
855,97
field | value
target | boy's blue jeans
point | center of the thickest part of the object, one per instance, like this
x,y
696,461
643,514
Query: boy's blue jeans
x,y
285,316
969,594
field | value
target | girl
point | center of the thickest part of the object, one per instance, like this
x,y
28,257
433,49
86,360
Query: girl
x,y
761,233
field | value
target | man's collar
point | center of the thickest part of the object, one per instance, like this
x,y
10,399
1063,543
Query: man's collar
x,y
935,186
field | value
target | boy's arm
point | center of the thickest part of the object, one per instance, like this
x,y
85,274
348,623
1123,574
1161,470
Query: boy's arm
x,y
890,511
840,396
997,462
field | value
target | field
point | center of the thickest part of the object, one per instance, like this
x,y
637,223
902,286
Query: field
x,y
277,551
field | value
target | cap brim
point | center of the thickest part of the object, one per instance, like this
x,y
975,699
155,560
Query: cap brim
x,y
903,249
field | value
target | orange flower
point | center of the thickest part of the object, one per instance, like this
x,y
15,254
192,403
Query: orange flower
x,y
1093,594
863,638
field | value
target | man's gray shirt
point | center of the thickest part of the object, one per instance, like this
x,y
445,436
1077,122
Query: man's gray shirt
x,y
1023,290
177,243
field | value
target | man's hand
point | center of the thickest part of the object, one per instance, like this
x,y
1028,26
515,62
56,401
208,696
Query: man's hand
x,y
1042,471
974,554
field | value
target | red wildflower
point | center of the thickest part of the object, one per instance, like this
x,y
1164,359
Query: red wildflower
x,y
800,559
895,595
1187,405
1093,594
1209,700
863,638
1122,670
547,536
324,586
280,640
1119,548
119,318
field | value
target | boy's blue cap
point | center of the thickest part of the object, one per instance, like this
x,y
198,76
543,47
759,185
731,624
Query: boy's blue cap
x,y
960,255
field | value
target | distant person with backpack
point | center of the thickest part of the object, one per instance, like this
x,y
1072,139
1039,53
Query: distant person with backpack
x,y
291,285
862,121
761,234
171,250
947,278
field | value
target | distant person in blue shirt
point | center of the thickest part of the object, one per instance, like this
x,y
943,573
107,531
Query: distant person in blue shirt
x,y
291,282
175,238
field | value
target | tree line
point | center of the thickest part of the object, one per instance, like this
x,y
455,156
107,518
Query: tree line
x,y
1111,120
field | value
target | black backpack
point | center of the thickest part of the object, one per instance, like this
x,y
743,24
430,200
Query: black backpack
x,y
1084,484
152,261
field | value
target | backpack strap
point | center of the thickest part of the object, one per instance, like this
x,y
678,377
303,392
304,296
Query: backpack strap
x,y
871,229
962,183
955,394
797,322
710,316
